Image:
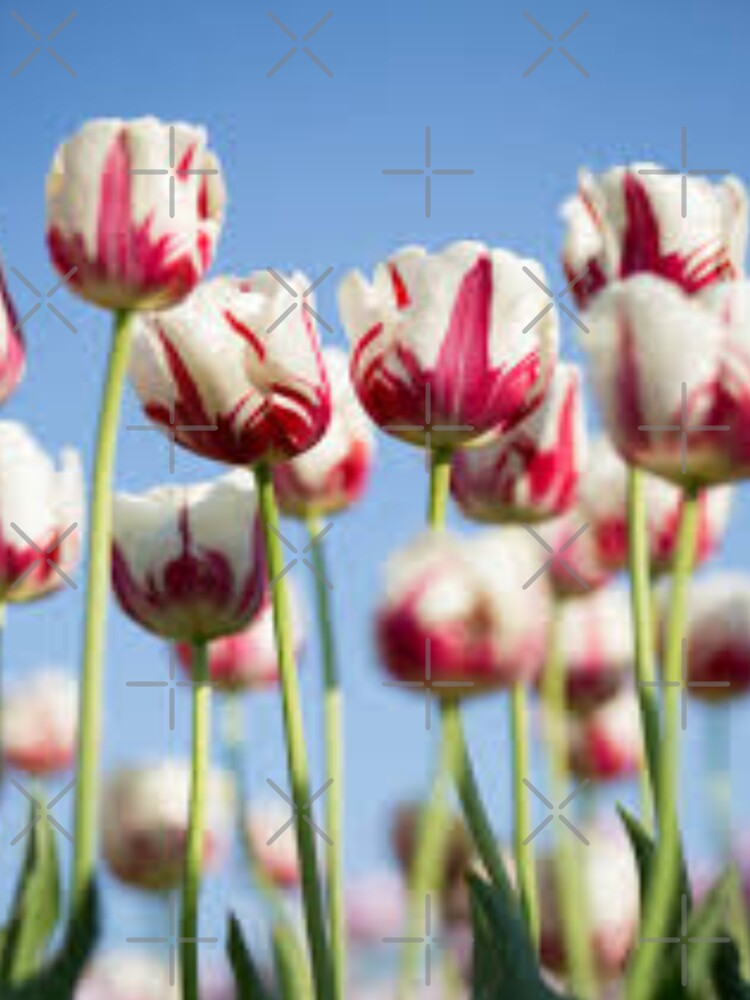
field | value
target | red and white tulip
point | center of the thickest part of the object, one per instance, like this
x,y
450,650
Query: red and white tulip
x,y
39,724
188,561
275,852
455,612
445,347
576,568
134,211
530,473
12,347
46,504
335,472
227,379
606,744
145,823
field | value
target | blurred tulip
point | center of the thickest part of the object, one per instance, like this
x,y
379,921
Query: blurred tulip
x,y
334,473
188,561
12,347
136,239
127,976
375,907
606,744
455,612
575,565
718,636
47,506
672,374
145,823
532,472
39,723
458,853
604,504
610,902
278,859
247,660
227,379
445,347
632,219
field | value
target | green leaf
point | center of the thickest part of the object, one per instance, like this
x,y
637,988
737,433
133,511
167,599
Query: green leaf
x,y
36,906
726,975
250,985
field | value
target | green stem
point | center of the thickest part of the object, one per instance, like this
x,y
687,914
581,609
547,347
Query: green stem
x,y
660,895
567,860
295,739
197,822
440,481
332,712
524,850
100,554
645,667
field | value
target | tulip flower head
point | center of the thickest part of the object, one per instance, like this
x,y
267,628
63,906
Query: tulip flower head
x,y
125,976
530,473
46,504
145,823
275,852
606,744
188,561
134,211
333,473
457,611
12,347
575,565
717,650
375,907
229,380
39,724
444,348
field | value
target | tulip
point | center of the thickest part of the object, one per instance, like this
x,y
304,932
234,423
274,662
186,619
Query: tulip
x,y
634,219
136,209
188,561
610,903
40,723
375,907
12,347
604,504
275,852
145,823
606,744
671,375
451,345
47,506
126,976
227,379
576,568
456,612
246,660
334,473
532,472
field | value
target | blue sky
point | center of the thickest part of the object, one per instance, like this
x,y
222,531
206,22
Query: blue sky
x,y
304,154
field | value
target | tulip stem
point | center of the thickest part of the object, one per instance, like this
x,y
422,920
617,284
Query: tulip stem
x,y
440,480
295,739
332,710
194,850
97,591
663,886
524,850
642,610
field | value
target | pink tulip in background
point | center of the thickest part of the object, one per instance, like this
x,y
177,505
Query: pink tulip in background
x,y
375,907
39,723
718,636
135,241
12,347
276,855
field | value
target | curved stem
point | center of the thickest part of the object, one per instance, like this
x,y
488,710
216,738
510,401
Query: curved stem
x,y
332,712
295,739
661,891
523,849
642,610
197,821
100,554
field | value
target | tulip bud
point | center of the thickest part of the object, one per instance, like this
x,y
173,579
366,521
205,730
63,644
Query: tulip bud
x,y
446,346
718,636
39,724
12,347
273,844
123,233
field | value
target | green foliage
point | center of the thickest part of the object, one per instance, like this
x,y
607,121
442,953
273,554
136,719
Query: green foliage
x,y
250,985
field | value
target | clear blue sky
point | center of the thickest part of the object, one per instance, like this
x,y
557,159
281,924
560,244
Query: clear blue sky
x,y
304,154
